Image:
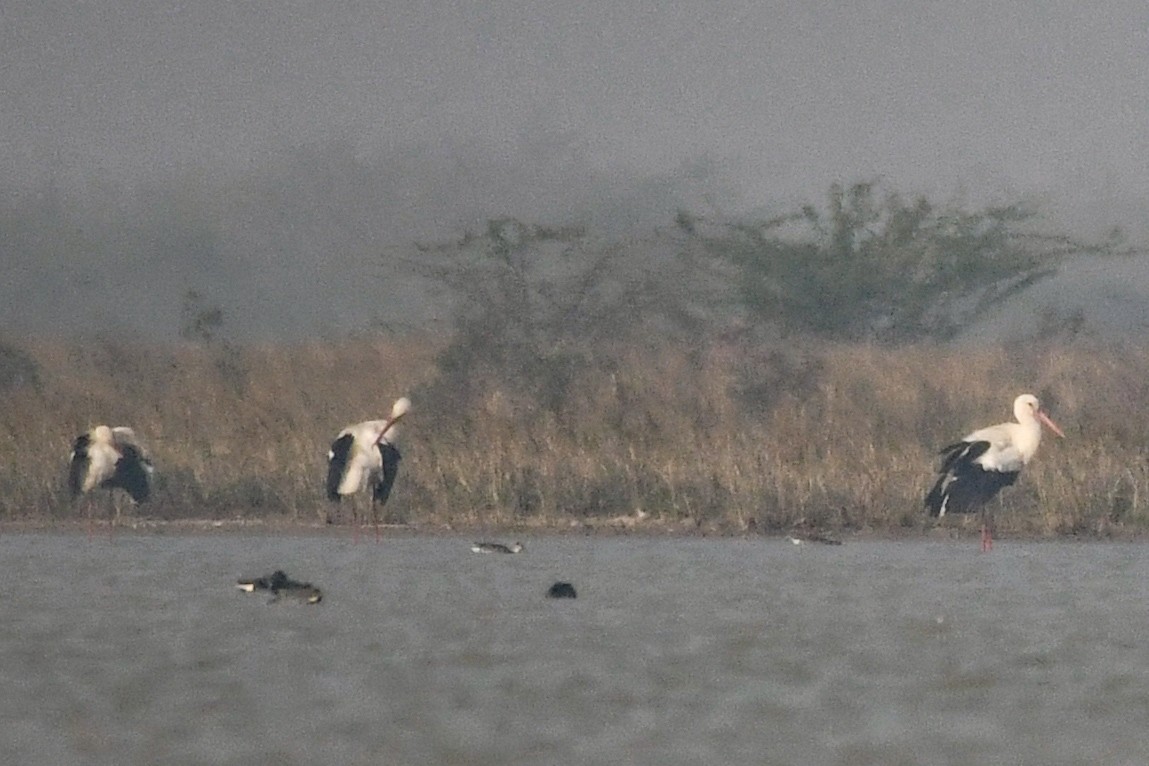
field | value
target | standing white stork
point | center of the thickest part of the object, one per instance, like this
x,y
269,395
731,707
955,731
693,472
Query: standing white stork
x,y
107,458
975,469
363,454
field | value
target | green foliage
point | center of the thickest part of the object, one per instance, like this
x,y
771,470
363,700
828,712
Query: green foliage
x,y
884,268
532,303
500,311
524,297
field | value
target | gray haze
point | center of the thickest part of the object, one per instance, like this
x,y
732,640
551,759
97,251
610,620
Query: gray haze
x,y
284,148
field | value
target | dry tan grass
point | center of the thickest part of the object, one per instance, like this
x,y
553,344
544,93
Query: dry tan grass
x,y
718,437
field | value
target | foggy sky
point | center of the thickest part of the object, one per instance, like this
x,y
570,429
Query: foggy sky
x,y
542,108
1027,95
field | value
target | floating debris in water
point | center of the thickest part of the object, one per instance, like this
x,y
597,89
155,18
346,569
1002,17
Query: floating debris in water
x,y
562,590
281,586
803,532
497,548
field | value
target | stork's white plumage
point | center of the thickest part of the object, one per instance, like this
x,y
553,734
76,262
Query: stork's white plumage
x,y
365,454
975,469
110,458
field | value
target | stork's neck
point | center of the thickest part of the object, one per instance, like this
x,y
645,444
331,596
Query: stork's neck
x,y
386,433
1027,434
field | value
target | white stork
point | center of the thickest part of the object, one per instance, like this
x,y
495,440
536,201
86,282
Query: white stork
x,y
975,469
363,454
107,458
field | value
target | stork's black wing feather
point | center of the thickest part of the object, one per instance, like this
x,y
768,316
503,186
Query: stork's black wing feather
x,y
79,466
391,458
337,464
963,485
961,452
131,474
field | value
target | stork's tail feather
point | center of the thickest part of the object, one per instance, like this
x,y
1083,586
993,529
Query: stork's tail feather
x,y
334,476
336,464
967,490
936,499
391,457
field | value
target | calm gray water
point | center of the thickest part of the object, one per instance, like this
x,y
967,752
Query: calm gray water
x,y
139,650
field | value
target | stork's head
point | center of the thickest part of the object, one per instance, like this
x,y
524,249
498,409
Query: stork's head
x,y
1027,407
102,434
400,408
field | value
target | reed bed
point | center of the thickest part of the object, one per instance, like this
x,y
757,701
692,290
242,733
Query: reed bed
x,y
724,437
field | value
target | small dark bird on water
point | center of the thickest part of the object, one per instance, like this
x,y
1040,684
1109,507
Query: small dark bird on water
x,y
562,590
281,586
273,581
804,532
496,548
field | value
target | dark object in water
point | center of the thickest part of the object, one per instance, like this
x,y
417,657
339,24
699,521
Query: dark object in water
x,y
273,581
497,548
804,532
562,590
280,586
300,591
814,537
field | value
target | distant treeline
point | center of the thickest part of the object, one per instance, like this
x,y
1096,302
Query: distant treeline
x,y
294,257
713,436
866,266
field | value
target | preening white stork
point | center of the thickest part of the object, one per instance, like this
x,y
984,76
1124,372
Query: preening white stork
x,y
107,458
365,453
975,469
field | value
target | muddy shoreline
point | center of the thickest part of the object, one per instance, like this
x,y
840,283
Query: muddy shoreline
x,y
606,528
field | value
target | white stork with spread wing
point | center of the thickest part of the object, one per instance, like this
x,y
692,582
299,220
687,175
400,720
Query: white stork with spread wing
x,y
364,454
110,458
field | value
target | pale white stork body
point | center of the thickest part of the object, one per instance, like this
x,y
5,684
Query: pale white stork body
x,y
984,462
110,458
364,454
